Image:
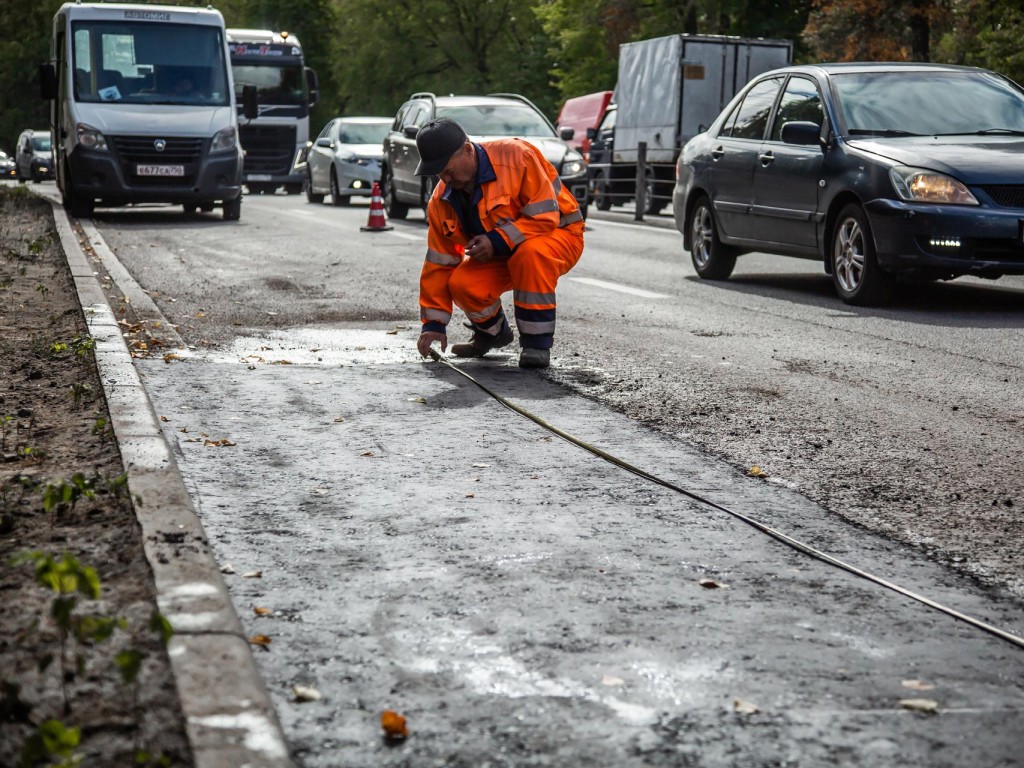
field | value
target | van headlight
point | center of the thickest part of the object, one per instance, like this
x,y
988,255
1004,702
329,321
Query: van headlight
x,y
225,138
919,185
90,138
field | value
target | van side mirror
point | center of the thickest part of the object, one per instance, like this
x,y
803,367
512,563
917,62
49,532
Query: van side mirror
x,y
250,107
591,133
313,84
411,130
566,133
47,81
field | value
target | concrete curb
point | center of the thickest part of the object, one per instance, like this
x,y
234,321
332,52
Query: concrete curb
x,y
230,721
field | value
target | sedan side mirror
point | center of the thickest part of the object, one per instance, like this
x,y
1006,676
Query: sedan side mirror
x,y
802,132
410,131
566,133
325,143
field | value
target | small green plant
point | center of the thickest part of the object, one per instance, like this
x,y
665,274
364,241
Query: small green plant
x,y
57,348
78,391
58,494
5,427
51,740
67,578
28,453
36,246
82,346
102,429
43,290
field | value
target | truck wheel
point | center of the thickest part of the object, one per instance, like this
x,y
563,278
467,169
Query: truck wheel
x,y
336,197
311,196
855,272
207,206
711,259
233,209
602,193
393,208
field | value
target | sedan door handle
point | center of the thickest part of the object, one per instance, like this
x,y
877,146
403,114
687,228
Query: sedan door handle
x,y
766,158
717,152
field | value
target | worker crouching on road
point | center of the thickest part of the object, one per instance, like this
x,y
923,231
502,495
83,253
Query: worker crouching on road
x,y
500,219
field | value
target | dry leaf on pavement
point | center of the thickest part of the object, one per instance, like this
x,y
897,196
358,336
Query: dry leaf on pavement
x,y
917,685
745,707
920,705
393,724
756,471
712,584
227,568
261,640
262,611
253,575
306,693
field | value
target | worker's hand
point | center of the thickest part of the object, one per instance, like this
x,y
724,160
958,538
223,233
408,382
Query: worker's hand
x,y
429,337
480,249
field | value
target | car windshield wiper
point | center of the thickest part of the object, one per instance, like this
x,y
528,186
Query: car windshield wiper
x,y
880,132
1000,131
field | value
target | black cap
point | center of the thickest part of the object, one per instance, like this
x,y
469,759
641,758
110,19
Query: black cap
x,y
437,141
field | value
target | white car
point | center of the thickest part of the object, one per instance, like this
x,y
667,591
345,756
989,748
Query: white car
x,y
344,161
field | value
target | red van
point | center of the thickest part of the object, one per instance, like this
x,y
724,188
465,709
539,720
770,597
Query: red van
x,y
581,113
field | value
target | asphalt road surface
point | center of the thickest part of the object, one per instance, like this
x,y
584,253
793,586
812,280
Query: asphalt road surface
x,y
523,603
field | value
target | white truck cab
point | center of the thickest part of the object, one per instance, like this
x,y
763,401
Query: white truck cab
x,y
143,108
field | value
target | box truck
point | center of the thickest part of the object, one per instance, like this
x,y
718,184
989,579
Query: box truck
x,y
274,141
143,108
670,89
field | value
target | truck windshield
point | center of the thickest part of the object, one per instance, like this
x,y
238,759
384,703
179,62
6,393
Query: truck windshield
x,y
279,85
147,63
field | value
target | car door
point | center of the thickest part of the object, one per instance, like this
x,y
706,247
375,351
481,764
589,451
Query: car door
x,y
320,156
786,176
733,155
404,155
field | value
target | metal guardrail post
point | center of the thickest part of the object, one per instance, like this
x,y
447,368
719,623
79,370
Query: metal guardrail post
x,y
640,195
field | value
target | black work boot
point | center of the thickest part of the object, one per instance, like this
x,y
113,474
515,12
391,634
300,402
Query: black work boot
x,y
482,343
534,358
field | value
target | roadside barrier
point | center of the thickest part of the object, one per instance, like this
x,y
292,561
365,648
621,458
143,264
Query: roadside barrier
x,y
789,541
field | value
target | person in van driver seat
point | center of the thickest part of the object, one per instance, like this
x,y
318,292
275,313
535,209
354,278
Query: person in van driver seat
x,y
499,219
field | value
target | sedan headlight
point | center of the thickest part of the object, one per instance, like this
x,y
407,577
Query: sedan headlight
x,y
90,138
573,165
225,138
918,185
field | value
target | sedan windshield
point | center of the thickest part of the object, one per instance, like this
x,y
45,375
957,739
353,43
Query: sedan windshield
x,y
364,133
929,103
498,120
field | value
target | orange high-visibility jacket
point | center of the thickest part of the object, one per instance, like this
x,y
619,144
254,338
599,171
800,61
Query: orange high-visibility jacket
x,y
526,200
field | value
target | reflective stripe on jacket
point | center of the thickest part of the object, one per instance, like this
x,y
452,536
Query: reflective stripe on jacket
x,y
525,199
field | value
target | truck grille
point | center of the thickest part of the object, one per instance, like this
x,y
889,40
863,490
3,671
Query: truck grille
x,y
133,151
268,148
1006,195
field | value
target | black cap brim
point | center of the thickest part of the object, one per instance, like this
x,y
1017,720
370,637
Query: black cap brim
x,y
432,168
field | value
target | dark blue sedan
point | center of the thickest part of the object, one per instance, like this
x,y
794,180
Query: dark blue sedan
x,y
879,170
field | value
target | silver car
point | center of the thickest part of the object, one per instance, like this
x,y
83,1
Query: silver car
x,y
344,161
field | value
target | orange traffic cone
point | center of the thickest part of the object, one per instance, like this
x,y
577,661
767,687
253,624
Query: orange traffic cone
x,y
376,222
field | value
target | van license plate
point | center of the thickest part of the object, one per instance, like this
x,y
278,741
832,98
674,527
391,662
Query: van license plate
x,y
160,170
257,177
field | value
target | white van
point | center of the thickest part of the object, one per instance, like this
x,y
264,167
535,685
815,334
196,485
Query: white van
x,y
143,108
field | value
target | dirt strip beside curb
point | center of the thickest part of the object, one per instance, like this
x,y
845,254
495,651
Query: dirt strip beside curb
x,y
230,721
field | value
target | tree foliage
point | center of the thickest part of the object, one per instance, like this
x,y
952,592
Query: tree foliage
x,y
372,54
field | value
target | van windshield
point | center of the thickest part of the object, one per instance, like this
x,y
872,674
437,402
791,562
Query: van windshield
x,y
146,63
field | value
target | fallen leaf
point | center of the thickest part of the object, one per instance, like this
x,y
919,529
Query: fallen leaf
x,y
339,420
170,356
612,680
164,418
253,575
756,471
421,400
470,495
262,611
917,685
367,453
227,568
306,693
393,725
392,333
745,707
920,705
200,314
225,443
261,640
481,466
712,584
